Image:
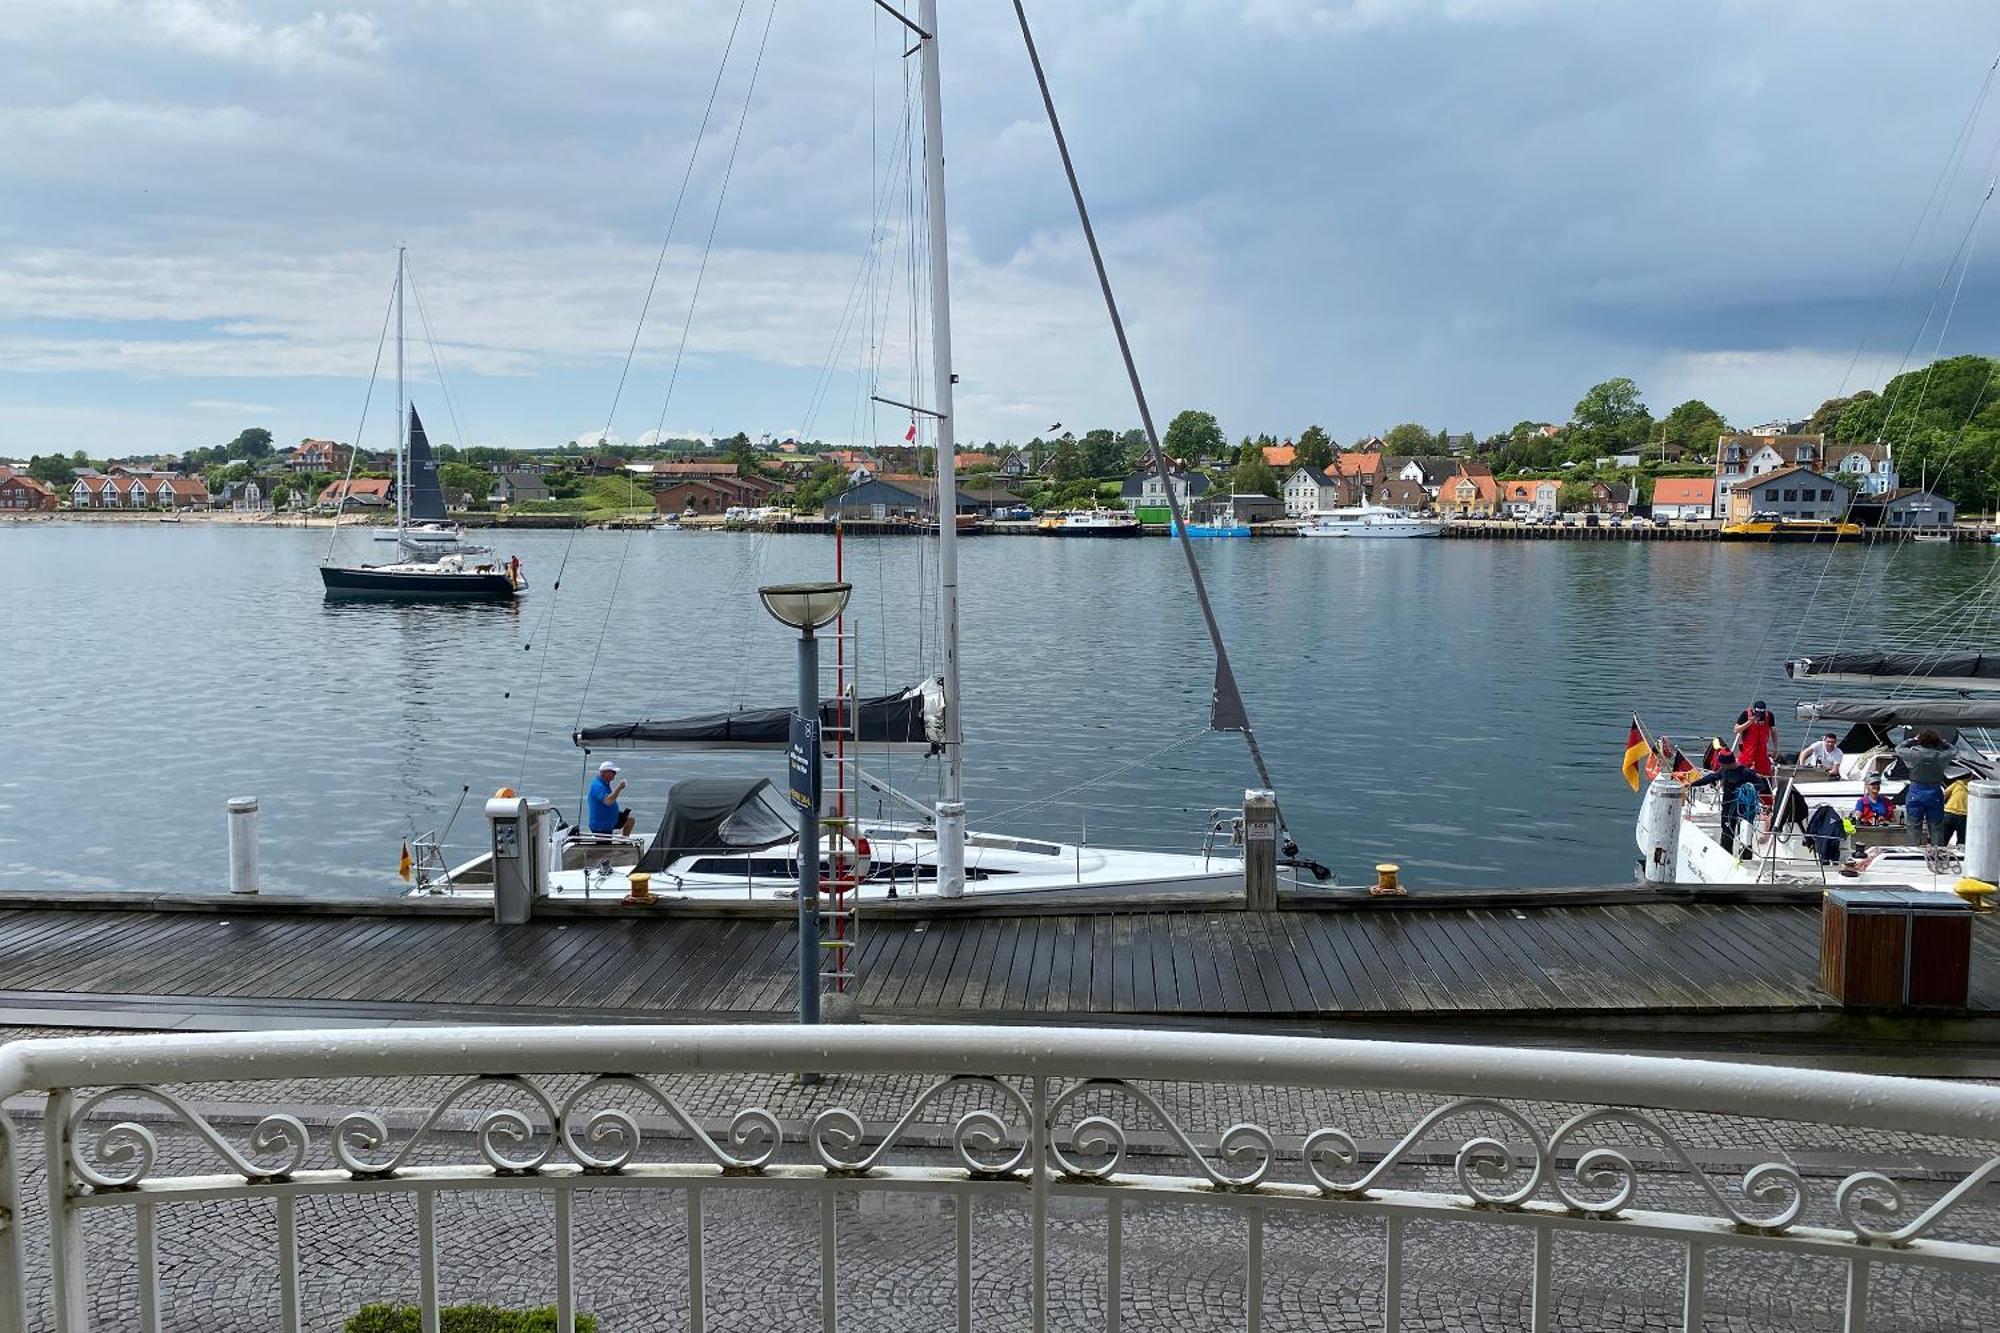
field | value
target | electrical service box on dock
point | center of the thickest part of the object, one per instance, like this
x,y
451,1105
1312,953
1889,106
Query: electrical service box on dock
x,y
1895,948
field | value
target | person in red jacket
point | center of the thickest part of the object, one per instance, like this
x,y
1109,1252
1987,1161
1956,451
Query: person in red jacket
x,y
1756,737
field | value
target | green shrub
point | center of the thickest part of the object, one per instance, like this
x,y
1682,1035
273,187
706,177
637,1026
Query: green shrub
x,y
461,1319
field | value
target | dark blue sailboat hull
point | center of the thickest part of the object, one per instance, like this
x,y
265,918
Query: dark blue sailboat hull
x,y
389,585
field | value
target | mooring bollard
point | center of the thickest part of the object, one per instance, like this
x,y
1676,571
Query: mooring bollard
x,y
243,844
1260,850
1982,843
1660,830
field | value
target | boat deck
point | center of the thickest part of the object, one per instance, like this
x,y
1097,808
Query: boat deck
x,y
1593,965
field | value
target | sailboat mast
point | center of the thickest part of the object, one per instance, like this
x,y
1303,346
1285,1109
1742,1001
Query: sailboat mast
x,y
951,802
402,424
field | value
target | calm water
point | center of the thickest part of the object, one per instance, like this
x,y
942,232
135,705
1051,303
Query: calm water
x,y
1456,706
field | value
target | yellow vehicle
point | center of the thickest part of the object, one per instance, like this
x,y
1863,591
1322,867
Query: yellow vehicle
x,y
1776,528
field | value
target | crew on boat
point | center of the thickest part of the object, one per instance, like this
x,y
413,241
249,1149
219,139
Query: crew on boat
x,y
1874,807
1756,737
1823,754
605,814
1743,790
1923,796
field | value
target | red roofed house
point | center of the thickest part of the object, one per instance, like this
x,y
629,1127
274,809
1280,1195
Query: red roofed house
x,y
1684,498
95,492
1352,464
360,493
180,493
1469,495
1281,455
319,456
20,491
1529,496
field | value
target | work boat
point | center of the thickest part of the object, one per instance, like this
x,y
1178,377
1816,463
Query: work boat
x,y
1368,521
435,565
1679,831
1092,523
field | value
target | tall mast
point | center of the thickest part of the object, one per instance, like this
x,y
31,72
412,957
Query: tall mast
x,y
951,802
402,422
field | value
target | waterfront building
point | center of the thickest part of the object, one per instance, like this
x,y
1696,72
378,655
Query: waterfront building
x,y
1429,471
1793,492
20,492
1309,489
180,493
1469,495
515,487
1759,452
700,494
359,493
1144,490
1869,468
1014,465
1529,497
1911,509
897,496
1611,497
1688,499
1402,493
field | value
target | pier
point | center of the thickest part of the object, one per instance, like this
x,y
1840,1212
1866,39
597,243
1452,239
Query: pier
x,y
1585,965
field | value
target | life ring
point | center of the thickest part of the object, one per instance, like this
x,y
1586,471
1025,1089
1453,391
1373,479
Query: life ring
x,y
855,853
503,793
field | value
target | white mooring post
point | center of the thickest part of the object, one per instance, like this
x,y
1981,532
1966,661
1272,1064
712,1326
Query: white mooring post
x,y
243,844
1982,832
1660,830
1260,850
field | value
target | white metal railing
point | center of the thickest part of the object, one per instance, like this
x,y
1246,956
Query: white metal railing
x,y
1024,1115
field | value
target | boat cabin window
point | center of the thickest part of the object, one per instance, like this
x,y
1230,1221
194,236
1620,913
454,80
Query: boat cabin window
x,y
747,867
758,822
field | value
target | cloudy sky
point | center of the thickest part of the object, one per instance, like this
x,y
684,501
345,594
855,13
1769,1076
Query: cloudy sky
x,y
1345,211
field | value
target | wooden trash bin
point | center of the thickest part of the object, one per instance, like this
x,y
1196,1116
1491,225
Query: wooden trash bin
x,y
1895,948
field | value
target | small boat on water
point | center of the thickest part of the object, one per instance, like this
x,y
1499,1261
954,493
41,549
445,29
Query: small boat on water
x,y
435,565
1369,520
1218,528
1773,528
1093,523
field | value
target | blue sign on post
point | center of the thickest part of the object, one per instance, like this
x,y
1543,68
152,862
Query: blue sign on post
x,y
802,759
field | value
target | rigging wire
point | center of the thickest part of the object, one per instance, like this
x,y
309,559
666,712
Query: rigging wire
x,y
430,343
1226,695
562,566
354,449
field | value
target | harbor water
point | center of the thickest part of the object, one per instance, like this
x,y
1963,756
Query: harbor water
x,y
1457,707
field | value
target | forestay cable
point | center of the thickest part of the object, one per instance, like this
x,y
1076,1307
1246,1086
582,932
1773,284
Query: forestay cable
x,y
1226,709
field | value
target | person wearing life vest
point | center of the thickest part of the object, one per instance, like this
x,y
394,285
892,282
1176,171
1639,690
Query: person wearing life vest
x,y
1756,737
1734,777
1874,808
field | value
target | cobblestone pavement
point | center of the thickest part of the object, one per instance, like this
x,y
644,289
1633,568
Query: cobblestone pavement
x,y
1184,1263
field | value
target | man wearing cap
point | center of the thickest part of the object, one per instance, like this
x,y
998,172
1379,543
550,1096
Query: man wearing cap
x,y
1756,738
605,814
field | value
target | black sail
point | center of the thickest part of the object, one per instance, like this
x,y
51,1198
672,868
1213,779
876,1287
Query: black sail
x,y
426,496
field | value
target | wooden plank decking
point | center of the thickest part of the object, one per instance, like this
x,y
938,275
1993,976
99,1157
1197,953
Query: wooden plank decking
x,y
1477,963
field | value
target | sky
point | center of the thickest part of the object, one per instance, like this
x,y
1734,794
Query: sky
x,y
1343,212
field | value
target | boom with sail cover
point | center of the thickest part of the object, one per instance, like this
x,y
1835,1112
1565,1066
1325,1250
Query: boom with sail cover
x,y
1948,671
910,720
1905,712
426,497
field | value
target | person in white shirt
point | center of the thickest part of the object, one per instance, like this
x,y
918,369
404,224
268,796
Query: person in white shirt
x,y
1824,754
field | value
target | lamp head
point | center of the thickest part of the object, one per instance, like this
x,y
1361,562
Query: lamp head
x,y
805,606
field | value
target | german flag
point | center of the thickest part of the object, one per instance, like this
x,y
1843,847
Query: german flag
x,y
1636,749
403,864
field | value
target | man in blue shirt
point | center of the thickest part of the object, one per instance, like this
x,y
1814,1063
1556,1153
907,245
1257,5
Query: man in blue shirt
x,y
605,816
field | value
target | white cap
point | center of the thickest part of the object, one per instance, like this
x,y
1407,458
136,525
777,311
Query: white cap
x,y
607,767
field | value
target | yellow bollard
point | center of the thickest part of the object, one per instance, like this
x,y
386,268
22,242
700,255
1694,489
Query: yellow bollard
x,y
642,890
1975,891
1385,881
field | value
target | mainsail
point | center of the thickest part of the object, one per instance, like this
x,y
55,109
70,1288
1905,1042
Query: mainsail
x,y
1945,670
910,720
426,499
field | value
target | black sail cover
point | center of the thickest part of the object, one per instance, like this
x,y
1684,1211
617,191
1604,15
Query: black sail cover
x,y
1940,713
1975,670
910,719
426,496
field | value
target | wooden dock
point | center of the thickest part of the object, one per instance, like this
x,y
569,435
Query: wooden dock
x,y
1637,965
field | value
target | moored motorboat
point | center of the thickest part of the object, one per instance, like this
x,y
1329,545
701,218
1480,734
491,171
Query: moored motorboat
x,y
1369,520
1092,523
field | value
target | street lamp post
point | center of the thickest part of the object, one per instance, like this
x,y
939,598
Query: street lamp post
x,y
806,607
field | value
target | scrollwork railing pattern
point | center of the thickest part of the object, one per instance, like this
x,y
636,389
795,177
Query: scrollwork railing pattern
x,y
1498,1156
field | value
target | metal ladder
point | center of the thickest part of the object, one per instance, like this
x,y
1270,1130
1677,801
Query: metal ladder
x,y
840,881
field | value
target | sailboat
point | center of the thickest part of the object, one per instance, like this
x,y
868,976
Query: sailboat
x,y
435,565
732,839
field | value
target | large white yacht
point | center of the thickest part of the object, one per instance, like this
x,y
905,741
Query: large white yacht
x,y
1369,520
